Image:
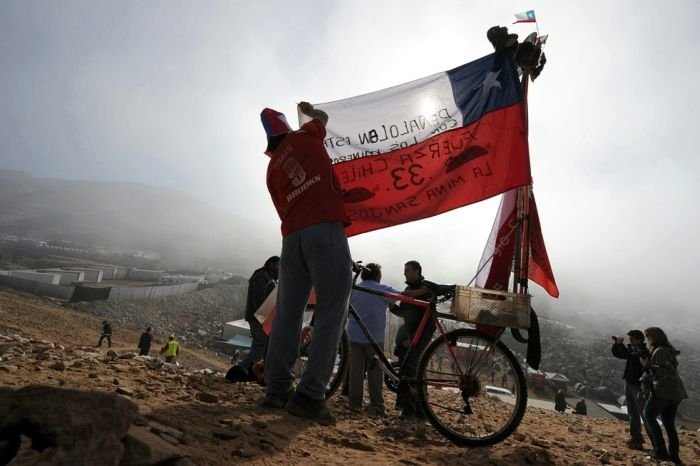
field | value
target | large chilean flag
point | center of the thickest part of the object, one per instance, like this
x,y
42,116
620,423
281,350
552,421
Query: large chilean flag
x,y
429,146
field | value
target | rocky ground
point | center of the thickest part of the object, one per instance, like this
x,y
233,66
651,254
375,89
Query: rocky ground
x,y
138,410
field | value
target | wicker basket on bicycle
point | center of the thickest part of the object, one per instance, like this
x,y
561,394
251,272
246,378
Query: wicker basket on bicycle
x,y
491,307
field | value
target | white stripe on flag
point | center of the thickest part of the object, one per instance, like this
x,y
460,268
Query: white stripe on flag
x,y
392,118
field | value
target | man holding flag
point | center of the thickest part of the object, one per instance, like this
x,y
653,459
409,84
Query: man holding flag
x,y
315,253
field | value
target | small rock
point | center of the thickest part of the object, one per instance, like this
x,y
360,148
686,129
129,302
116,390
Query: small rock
x,y
205,397
125,391
92,375
115,381
242,453
58,366
259,424
226,434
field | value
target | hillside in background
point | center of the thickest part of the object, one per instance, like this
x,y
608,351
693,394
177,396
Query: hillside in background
x,y
184,231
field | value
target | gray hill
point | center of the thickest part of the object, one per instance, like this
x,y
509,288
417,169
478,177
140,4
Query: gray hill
x,y
131,216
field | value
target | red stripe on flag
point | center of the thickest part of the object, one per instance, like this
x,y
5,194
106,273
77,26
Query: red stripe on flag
x,y
499,251
539,268
450,170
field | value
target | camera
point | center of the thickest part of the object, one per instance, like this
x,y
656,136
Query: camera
x,y
639,351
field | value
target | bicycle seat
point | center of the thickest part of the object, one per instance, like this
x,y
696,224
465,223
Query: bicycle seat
x,y
439,290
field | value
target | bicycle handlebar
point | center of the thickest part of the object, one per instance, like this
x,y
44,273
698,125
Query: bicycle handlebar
x,y
442,292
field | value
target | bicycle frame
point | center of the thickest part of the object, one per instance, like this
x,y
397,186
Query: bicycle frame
x,y
430,314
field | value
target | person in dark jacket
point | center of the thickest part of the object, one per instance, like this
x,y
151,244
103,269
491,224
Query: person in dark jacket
x,y
260,285
412,316
145,342
106,333
581,407
632,374
560,401
666,394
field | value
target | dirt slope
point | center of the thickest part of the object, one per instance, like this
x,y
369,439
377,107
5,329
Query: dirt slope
x,y
212,422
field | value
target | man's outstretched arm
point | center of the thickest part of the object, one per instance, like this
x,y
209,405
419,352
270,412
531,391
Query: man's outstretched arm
x,y
309,110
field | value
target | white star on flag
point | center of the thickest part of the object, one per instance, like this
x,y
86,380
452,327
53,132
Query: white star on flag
x,y
490,81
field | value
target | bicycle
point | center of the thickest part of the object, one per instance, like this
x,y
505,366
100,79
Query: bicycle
x,y
451,381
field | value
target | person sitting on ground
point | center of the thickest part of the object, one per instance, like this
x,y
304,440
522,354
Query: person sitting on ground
x,y
106,333
145,341
581,407
171,349
560,401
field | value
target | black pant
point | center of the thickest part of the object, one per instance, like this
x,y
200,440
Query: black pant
x,y
109,340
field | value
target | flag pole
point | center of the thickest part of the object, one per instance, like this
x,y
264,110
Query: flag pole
x,y
522,250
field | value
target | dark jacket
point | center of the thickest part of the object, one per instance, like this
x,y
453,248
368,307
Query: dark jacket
x,y
145,341
633,368
106,329
560,402
260,285
664,371
412,314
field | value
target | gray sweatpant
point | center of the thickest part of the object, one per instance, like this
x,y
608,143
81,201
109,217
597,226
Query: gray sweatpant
x,y
317,256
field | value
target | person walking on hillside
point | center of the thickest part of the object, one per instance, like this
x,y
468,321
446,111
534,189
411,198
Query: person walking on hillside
x,y
667,392
315,253
633,372
260,285
372,310
560,401
171,349
106,333
145,341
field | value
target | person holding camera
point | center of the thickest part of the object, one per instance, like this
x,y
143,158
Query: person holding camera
x,y
632,374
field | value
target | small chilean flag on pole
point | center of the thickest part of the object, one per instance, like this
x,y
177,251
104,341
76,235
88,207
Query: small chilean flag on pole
x,y
527,17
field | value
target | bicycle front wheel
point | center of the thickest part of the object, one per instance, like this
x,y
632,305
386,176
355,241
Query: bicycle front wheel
x,y
471,388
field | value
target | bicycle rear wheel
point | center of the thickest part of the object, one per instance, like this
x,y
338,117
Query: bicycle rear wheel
x,y
342,361
471,388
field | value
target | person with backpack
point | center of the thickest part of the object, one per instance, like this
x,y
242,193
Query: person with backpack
x,y
145,341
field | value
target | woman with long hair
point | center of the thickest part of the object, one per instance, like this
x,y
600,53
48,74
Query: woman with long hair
x,y
667,391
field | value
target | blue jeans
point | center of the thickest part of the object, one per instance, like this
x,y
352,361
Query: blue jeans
x,y
317,256
667,409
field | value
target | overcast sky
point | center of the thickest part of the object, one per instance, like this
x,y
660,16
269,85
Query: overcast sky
x,y
168,93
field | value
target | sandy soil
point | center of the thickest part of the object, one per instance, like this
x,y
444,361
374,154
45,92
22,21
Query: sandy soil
x,y
230,427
